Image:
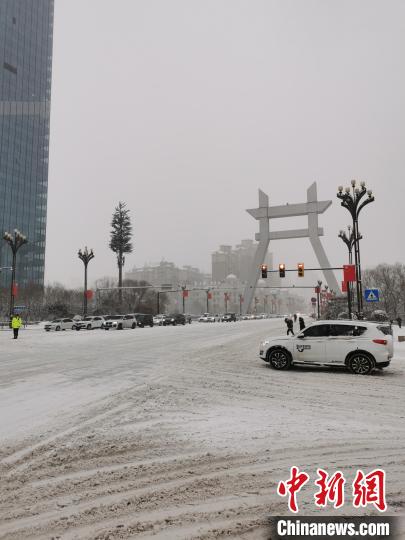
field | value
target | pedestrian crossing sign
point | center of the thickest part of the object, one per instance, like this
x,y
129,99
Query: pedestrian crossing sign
x,y
372,295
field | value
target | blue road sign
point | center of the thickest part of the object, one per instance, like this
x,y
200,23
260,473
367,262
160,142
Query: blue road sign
x,y
372,295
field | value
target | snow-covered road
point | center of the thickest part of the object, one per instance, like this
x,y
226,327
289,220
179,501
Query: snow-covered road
x,y
179,432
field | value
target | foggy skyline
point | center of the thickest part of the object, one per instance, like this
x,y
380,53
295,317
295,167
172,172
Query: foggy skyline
x,y
184,109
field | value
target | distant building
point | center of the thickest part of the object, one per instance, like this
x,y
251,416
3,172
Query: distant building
x,y
26,28
167,273
237,261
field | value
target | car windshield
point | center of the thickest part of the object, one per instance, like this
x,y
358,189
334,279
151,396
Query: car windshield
x,y
56,320
115,317
87,318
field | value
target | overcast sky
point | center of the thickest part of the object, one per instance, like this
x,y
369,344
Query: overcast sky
x,y
184,108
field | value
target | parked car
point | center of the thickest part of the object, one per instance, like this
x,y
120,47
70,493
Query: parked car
x,y
173,319
143,319
158,320
119,322
90,323
360,346
229,317
206,317
60,324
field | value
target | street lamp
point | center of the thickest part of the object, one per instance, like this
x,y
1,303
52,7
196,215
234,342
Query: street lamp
x,y
15,242
352,199
348,239
86,257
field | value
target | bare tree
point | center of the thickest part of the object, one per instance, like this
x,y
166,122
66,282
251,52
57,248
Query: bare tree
x,y
390,280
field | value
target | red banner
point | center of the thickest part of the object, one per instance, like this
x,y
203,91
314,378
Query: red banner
x,y
317,290
209,296
14,289
349,272
344,286
89,294
185,294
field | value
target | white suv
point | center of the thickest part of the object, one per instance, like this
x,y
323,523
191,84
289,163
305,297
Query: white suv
x,y
359,345
90,323
119,322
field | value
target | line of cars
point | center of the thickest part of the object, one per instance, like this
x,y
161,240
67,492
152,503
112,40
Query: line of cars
x,y
117,322
106,322
231,317
225,317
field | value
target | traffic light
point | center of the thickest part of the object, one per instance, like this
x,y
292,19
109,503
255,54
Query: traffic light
x,y
281,270
264,270
300,269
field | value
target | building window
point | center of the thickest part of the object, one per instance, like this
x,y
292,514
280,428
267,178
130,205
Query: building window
x,y
11,68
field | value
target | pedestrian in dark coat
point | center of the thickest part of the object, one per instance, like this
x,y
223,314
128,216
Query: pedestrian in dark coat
x,y
302,324
290,326
399,321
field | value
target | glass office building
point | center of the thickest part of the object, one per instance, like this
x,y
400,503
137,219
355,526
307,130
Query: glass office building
x,y
26,28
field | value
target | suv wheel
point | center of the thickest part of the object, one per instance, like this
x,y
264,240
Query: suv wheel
x,y
120,326
57,328
279,359
361,364
88,327
133,325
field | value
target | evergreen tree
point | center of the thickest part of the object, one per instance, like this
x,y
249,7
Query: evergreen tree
x,y
120,239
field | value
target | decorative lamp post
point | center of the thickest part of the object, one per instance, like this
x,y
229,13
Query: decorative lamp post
x,y
348,239
15,242
353,200
86,257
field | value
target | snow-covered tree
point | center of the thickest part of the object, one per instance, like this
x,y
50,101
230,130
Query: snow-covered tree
x,y
120,239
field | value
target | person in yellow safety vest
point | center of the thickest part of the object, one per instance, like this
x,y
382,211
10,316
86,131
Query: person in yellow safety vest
x,y
16,324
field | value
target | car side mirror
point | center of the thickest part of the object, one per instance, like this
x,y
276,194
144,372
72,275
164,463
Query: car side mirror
x,y
301,336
